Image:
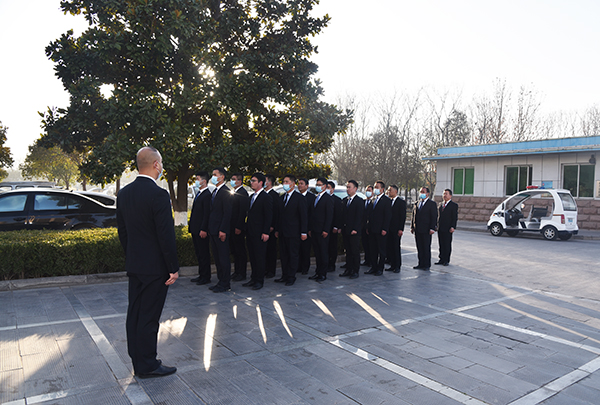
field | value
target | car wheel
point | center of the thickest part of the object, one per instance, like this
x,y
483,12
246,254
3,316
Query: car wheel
x,y
496,229
565,236
549,232
512,233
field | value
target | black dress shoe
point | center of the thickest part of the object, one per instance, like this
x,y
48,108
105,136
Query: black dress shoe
x,y
396,270
371,271
195,280
212,287
353,276
321,278
161,371
257,286
202,282
418,267
280,280
305,272
237,277
389,269
378,273
343,266
314,277
424,268
220,289
345,274
331,269
269,275
365,264
446,264
248,284
290,282
440,262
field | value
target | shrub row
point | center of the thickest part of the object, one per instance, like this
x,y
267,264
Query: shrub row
x,y
31,254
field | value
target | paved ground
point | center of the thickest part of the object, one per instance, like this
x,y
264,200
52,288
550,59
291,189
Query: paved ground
x,y
511,320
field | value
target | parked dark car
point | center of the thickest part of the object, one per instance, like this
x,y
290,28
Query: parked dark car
x,y
37,208
103,198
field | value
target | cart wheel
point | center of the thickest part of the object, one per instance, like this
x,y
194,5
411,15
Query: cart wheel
x,y
549,232
496,229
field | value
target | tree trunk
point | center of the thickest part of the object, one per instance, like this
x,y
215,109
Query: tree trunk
x,y
118,186
179,197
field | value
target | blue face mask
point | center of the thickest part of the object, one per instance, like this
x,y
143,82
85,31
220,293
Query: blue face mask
x,y
318,189
232,182
286,187
368,193
214,180
422,196
376,191
197,184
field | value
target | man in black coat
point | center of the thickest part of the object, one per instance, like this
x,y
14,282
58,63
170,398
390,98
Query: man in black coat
x,y
260,217
292,230
237,241
448,215
198,227
272,244
147,235
337,223
394,237
423,225
378,228
306,244
366,245
219,228
320,227
352,220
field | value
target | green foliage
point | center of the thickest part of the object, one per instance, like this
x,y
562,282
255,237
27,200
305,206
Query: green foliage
x,y
205,82
31,254
6,159
52,164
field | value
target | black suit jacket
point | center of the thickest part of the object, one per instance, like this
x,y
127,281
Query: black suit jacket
x,y
398,215
293,220
321,218
338,212
277,207
200,213
310,202
239,208
146,229
424,219
352,215
380,215
260,215
219,219
448,216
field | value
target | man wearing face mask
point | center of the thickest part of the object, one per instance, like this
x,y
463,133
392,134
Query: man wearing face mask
x,y
198,227
337,226
364,235
147,235
396,229
271,264
423,225
320,227
306,244
237,243
379,223
219,228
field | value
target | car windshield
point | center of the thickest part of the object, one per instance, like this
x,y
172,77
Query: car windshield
x,y
568,202
516,200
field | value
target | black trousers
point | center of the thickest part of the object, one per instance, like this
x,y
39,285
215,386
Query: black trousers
x,y
393,250
271,265
289,249
423,241
445,242
321,247
352,246
222,262
257,249
333,251
305,246
237,246
147,296
202,249
366,245
378,250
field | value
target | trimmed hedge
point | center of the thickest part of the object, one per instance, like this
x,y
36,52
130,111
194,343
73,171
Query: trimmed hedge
x,y
31,254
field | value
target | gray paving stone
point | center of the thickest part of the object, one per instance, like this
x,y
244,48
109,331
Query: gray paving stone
x,y
11,385
366,393
109,396
480,357
592,381
584,393
562,399
278,369
214,388
381,378
536,375
500,380
327,372
492,395
452,362
334,354
419,395
168,390
315,392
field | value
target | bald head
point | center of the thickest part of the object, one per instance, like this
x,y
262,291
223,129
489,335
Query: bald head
x,y
149,161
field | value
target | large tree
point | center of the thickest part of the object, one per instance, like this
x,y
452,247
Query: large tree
x,y
52,164
207,82
6,159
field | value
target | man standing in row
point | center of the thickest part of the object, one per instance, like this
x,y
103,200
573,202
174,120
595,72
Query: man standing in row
x,y
448,215
306,244
219,223
260,216
198,227
423,225
292,230
394,237
272,244
366,244
352,221
320,227
147,235
237,243
336,226
378,227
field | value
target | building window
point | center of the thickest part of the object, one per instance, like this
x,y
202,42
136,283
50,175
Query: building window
x,y
518,178
464,179
579,179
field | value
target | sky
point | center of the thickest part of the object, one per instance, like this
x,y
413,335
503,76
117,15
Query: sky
x,y
370,49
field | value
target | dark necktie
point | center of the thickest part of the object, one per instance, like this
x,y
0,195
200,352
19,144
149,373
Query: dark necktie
x,y
252,201
214,193
349,202
287,197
